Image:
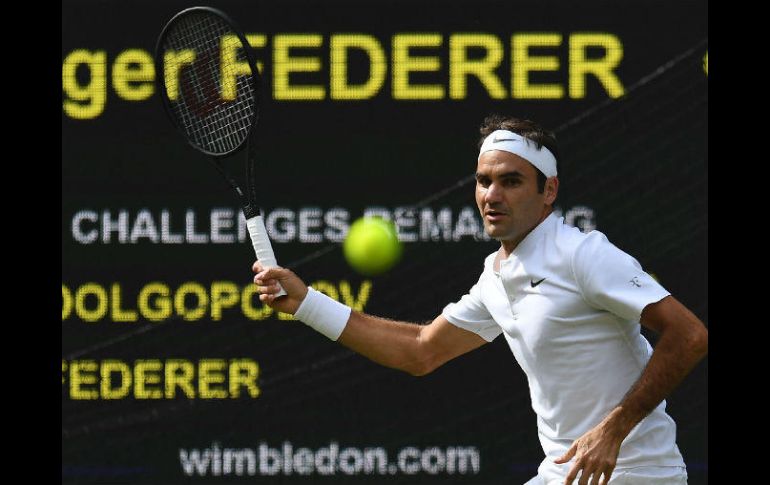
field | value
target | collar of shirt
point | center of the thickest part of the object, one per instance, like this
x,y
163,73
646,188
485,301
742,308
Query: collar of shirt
x,y
529,243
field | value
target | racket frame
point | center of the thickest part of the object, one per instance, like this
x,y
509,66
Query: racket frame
x,y
248,199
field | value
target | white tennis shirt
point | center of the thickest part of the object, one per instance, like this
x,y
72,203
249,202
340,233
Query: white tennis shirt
x,y
569,304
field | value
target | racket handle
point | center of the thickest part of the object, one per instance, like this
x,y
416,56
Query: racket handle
x,y
262,246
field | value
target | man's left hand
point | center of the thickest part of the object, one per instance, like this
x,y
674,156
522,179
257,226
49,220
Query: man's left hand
x,y
595,453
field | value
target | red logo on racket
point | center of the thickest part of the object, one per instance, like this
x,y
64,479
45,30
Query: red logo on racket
x,y
199,86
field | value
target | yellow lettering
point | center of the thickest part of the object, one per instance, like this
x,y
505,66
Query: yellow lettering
x,y
66,302
120,367
231,66
191,289
403,64
133,74
363,295
285,316
283,65
173,62
224,294
179,373
85,101
460,67
247,296
118,314
101,302
340,44
112,379
243,373
147,372
158,302
326,287
162,308
257,41
602,69
83,373
522,63
210,373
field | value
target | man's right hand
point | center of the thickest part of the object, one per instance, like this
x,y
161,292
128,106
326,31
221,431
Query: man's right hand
x,y
267,284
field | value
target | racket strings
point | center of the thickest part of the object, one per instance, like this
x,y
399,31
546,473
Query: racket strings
x,y
211,122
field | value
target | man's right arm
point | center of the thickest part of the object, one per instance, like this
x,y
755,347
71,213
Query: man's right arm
x,y
416,349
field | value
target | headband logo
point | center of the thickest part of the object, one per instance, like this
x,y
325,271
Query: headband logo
x,y
496,139
541,158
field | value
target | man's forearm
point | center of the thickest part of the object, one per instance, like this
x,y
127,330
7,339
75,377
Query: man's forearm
x,y
387,342
416,349
675,355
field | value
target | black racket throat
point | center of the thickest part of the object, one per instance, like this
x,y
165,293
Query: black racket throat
x,y
247,199
250,211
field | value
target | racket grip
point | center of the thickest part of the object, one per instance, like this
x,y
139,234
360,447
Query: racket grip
x,y
262,246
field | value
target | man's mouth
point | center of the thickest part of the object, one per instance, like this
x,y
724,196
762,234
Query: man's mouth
x,y
493,215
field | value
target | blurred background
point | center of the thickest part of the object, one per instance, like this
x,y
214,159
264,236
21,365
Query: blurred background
x,y
173,371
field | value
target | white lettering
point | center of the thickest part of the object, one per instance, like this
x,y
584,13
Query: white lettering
x,y
467,225
308,225
328,460
190,234
310,218
433,460
77,231
166,236
405,219
409,460
109,226
437,228
269,460
144,226
303,461
581,217
336,220
351,461
377,212
221,220
281,232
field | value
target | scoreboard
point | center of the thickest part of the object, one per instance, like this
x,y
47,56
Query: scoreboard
x,y
173,370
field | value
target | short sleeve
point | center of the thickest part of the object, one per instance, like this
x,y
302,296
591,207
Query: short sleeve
x,y
612,280
470,314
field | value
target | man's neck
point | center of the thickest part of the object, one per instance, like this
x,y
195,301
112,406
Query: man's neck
x,y
507,247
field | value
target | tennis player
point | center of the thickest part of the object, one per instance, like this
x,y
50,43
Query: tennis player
x,y
569,305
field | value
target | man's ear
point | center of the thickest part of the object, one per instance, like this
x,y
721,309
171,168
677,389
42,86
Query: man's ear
x,y
551,189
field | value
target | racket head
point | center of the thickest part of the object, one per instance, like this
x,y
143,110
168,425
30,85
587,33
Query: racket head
x,y
208,80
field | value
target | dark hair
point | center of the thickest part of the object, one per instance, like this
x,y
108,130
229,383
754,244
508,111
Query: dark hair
x,y
526,128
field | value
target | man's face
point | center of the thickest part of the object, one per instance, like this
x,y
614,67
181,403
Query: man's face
x,y
507,196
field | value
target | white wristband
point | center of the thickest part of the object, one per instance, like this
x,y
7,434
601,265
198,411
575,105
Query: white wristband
x,y
323,314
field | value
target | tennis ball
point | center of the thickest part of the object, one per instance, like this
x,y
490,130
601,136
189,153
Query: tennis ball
x,y
371,246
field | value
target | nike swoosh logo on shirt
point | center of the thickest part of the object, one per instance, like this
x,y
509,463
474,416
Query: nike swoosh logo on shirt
x,y
534,284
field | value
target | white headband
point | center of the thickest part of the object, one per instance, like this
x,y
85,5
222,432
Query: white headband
x,y
509,141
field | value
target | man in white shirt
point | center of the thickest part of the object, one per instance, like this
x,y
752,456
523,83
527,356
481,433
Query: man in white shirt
x,y
569,305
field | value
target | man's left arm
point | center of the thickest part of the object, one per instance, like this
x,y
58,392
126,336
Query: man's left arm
x,y
682,343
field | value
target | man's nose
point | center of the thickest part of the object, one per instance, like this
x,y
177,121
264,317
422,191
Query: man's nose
x,y
493,194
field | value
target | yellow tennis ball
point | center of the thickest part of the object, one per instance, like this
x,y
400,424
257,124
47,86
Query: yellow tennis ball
x,y
371,246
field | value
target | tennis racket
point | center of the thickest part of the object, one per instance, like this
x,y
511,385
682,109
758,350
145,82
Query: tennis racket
x,y
210,84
